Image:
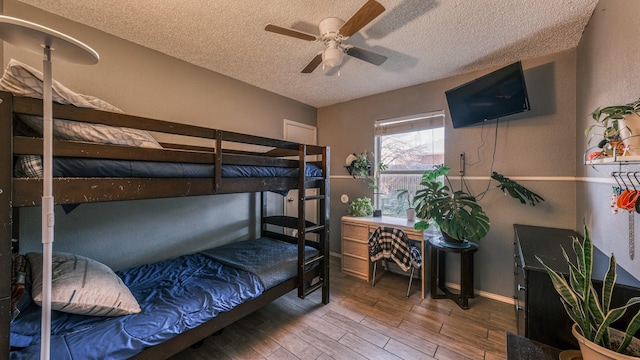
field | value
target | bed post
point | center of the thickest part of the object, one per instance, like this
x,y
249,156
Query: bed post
x,y
6,191
326,235
217,169
302,189
305,285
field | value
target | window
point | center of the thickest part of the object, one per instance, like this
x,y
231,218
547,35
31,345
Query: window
x,y
408,146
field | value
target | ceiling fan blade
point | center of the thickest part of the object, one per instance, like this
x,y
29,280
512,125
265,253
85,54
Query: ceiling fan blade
x,y
290,32
368,56
369,11
313,64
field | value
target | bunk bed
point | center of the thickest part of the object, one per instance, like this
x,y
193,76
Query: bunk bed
x,y
247,164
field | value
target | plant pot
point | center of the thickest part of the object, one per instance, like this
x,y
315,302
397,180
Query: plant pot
x,y
630,133
592,351
451,242
411,214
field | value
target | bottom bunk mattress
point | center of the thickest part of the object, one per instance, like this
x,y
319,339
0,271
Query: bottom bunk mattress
x,y
174,295
272,261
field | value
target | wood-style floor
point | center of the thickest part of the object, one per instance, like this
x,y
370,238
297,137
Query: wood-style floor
x,y
364,322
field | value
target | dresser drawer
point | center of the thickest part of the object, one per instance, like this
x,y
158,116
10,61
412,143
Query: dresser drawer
x,y
355,231
355,266
356,248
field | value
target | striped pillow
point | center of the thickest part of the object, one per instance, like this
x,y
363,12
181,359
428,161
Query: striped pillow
x,y
82,286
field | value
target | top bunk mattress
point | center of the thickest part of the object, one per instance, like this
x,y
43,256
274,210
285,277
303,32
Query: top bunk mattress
x,y
31,166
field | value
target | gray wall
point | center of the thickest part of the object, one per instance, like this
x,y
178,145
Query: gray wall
x,y
536,148
147,83
608,73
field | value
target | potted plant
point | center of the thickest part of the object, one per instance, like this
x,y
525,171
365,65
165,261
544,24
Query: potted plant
x,y
360,166
458,213
411,211
360,207
618,123
592,315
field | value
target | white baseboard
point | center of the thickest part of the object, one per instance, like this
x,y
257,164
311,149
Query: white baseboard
x,y
504,299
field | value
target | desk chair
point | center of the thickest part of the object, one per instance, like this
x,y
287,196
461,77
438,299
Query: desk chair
x,y
392,243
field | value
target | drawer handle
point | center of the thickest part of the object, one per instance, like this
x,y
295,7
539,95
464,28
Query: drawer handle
x,y
521,288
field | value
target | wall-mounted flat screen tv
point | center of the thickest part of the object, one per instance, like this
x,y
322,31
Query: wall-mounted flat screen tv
x,y
495,95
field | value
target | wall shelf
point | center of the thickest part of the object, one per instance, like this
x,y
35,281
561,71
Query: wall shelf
x,y
613,160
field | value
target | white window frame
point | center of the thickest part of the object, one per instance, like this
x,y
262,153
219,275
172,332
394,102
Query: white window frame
x,y
403,124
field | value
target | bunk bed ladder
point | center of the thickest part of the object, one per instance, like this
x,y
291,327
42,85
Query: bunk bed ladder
x,y
306,267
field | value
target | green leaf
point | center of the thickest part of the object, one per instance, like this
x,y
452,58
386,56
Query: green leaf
x,y
433,175
631,330
608,284
612,316
562,287
516,190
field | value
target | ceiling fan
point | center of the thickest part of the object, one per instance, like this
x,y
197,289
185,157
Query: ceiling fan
x,y
333,31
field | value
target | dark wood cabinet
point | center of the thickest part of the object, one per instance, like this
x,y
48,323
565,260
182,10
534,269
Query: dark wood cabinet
x,y
539,312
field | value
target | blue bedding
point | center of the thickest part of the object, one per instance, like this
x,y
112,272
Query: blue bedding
x,y
271,260
31,166
175,295
83,167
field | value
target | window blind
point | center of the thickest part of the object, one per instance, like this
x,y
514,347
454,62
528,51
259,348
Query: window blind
x,y
410,123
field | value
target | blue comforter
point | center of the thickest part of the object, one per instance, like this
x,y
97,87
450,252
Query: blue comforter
x,y
175,295
273,261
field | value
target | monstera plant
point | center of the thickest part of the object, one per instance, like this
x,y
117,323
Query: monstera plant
x,y
456,212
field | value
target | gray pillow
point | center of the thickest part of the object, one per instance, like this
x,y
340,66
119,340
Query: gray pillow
x,y
82,286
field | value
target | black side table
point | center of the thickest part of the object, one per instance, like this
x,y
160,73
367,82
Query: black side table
x,y
438,265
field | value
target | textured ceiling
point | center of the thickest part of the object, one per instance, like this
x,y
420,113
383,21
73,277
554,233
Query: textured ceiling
x,y
424,40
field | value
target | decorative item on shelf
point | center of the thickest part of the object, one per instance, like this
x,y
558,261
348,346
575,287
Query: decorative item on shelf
x,y
592,316
360,207
457,213
361,166
411,211
620,126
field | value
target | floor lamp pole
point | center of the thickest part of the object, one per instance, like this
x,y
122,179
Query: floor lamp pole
x,y
48,216
34,37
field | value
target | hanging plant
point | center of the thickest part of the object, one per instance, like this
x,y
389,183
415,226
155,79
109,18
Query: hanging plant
x,y
361,167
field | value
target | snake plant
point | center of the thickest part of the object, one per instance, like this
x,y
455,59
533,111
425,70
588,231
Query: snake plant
x,y
591,314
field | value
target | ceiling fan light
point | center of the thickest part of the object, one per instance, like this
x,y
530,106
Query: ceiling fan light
x,y
332,57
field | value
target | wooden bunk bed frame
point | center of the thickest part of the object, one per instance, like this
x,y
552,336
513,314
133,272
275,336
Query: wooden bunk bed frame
x,y
22,192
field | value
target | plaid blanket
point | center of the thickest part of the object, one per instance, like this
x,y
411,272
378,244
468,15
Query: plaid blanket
x,y
392,243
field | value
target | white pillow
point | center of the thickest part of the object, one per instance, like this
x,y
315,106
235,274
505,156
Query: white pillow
x,y
82,286
97,133
23,80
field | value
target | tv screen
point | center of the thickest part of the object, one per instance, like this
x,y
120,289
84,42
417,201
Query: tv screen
x,y
495,95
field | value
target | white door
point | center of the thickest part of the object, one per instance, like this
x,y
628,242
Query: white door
x,y
306,134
